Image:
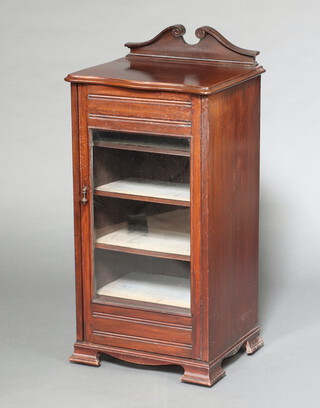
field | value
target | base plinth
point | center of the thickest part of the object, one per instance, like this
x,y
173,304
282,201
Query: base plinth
x,y
195,371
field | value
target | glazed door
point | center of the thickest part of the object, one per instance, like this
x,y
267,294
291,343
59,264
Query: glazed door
x,y
135,210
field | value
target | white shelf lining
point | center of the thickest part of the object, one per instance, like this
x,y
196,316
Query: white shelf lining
x,y
148,287
148,188
167,233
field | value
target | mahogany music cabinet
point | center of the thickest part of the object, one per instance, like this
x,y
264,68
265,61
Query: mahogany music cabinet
x,y
166,200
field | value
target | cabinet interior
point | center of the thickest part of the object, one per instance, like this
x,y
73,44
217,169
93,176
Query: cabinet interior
x,y
124,277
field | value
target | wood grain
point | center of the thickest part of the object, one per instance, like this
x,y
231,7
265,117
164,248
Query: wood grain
x,y
209,96
77,211
139,108
86,211
212,47
139,328
209,66
136,311
195,371
233,213
150,75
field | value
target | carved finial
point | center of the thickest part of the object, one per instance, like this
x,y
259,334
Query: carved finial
x,y
178,30
212,47
200,32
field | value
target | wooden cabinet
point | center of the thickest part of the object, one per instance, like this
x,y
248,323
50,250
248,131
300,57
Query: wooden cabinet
x,y
166,200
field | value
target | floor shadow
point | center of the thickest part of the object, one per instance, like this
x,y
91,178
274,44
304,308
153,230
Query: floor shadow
x,y
167,368
164,368
231,360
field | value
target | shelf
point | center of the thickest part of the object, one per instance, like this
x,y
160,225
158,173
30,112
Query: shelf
x,y
153,288
168,236
144,143
147,190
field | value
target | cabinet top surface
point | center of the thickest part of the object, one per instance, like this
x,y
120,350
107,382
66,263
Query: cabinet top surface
x,y
168,63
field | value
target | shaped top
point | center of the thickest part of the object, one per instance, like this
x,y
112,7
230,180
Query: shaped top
x,y
168,63
212,47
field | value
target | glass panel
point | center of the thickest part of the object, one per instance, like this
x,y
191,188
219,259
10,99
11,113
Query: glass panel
x,y
141,226
141,175
128,277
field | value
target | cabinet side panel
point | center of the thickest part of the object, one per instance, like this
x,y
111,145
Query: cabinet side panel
x,y
77,215
233,202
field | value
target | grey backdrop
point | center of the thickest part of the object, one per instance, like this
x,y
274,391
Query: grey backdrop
x,y
41,42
